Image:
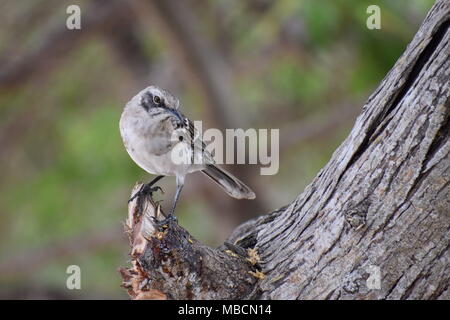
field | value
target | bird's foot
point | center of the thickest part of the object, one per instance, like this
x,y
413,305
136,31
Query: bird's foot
x,y
164,224
146,189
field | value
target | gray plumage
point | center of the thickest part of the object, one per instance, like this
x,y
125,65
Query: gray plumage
x,y
154,131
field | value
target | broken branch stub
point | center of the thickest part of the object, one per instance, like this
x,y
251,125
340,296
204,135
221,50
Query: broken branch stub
x,y
168,263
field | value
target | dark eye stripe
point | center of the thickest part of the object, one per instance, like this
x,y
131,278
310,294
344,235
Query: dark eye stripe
x,y
144,103
147,101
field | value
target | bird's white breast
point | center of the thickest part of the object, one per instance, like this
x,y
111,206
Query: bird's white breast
x,y
141,144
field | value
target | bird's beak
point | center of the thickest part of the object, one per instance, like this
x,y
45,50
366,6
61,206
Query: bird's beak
x,y
177,114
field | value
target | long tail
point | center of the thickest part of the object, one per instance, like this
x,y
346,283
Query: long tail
x,y
232,185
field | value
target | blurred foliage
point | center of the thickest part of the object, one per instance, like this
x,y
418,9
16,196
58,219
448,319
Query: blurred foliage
x,y
64,169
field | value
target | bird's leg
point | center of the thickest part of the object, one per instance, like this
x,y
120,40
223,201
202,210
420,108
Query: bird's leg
x,y
171,216
147,188
177,196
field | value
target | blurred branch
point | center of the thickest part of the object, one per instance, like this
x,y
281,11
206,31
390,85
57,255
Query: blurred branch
x,y
127,46
21,25
58,43
203,64
29,261
34,291
310,128
225,21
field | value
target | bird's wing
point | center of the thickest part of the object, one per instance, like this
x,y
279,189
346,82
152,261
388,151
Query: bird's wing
x,y
194,142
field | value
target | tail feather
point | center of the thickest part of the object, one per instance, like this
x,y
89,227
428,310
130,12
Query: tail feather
x,y
232,185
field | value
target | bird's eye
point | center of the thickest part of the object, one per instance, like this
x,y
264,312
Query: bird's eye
x,y
156,99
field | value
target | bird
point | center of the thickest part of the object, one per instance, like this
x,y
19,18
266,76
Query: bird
x,y
155,133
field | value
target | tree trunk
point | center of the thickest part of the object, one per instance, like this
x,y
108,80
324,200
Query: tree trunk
x,y
373,224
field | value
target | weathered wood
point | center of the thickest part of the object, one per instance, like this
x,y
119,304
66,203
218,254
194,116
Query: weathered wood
x,y
168,263
381,203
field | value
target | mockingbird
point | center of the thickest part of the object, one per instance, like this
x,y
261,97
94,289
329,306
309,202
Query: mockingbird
x,y
163,142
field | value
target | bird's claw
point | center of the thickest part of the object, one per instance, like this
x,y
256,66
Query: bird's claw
x,y
145,190
164,224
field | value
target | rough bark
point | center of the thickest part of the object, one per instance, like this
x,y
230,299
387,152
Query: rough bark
x,y
169,263
381,203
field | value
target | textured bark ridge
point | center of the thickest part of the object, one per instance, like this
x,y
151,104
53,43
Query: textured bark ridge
x,y
373,224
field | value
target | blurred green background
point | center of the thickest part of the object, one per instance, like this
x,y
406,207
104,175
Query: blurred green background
x,y
305,67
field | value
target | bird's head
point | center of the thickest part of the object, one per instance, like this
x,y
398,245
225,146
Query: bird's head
x,y
154,101
154,97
